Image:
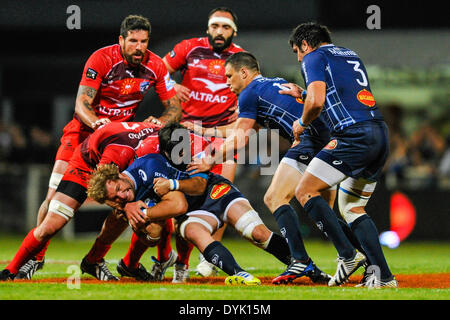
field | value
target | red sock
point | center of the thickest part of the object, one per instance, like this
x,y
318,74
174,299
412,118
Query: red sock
x,y
98,251
184,249
40,256
28,249
135,252
164,246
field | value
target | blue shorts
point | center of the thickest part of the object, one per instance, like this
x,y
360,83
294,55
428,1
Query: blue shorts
x,y
305,151
218,196
359,151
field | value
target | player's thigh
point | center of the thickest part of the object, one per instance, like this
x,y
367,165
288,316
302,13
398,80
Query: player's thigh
x,y
198,229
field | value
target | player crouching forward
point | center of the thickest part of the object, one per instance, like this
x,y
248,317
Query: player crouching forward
x,y
200,205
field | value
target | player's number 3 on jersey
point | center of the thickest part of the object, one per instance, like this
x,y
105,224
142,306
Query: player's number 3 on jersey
x,y
356,64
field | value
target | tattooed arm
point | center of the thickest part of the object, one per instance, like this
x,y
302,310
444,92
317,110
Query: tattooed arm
x,y
172,112
84,109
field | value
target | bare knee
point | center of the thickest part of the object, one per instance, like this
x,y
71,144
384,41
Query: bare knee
x,y
260,233
273,200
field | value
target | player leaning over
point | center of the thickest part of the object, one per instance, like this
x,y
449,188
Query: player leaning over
x,y
204,94
209,200
115,80
115,143
338,91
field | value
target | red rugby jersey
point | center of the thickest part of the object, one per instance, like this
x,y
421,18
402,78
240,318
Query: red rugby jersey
x,y
115,142
121,87
204,74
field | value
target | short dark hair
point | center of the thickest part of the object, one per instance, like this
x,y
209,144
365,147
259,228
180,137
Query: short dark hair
x,y
243,59
134,22
224,9
166,144
312,32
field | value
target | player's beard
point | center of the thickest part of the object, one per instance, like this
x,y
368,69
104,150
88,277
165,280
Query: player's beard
x,y
133,60
219,47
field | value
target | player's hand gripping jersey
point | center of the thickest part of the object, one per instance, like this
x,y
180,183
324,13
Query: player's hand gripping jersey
x,y
261,101
348,99
204,74
218,193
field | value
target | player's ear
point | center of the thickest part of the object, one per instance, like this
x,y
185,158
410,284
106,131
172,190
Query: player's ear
x,y
121,41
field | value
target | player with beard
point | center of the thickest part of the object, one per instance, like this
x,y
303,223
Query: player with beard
x,y
115,80
203,91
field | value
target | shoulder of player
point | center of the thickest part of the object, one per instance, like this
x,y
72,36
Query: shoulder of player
x,y
234,48
108,55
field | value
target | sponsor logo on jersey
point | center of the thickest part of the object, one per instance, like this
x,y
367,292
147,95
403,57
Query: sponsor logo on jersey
x,y
172,54
212,86
300,100
366,98
219,190
216,66
127,86
91,73
331,145
208,97
142,174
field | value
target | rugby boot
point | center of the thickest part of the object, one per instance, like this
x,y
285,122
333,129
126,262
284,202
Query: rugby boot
x,y
159,268
140,273
297,269
28,269
180,273
242,278
205,269
6,275
345,268
98,270
371,281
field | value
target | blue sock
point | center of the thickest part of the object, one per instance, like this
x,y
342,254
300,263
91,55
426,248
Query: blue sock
x,y
367,234
287,220
221,257
326,220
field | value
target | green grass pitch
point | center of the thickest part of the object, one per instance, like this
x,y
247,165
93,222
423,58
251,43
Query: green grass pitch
x,y
63,257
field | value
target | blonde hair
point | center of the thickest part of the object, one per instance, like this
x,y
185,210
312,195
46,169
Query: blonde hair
x,y
97,182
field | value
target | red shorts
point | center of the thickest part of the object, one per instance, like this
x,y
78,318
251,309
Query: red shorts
x,y
77,171
74,133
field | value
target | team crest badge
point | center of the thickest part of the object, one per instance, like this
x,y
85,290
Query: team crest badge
x,y
331,145
366,98
219,190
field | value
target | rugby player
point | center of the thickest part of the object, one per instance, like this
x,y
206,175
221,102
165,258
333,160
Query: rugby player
x,y
203,92
261,104
200,203
114,82
338,91
115,143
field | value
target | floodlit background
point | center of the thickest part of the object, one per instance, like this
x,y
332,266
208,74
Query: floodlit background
x,y
407,61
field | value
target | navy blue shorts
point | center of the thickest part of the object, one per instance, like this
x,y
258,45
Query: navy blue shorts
x,y
305,151
359,151
219,194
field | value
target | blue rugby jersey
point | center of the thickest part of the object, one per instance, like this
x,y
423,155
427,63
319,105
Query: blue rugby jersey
x,y
261,101
144,169
348,98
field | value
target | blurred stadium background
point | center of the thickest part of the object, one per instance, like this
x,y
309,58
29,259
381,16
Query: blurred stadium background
x,y
408,62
